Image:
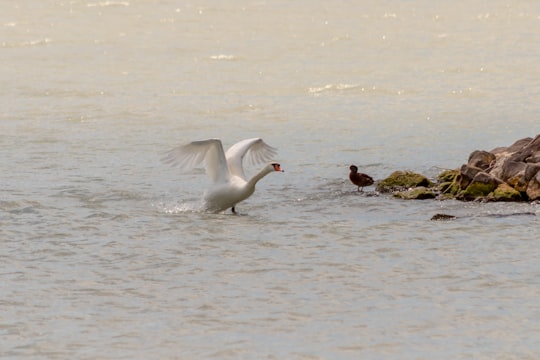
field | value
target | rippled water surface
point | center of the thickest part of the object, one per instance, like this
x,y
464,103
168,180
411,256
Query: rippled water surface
x,y
105,252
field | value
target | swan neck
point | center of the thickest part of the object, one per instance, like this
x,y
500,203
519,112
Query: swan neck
x,y
262,173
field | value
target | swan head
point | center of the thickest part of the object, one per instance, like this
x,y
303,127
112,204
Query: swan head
x,y
353,168
277,167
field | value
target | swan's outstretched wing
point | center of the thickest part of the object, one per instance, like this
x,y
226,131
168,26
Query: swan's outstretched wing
x,y
208,151
256,150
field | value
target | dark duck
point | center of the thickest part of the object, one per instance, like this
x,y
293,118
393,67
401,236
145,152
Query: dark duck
x,y
359,179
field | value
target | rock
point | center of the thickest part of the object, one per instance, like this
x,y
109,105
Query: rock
x,y
534,158
505,192
417,193
523,182
512,171
481,159
530,171
481,186
486,178
497,168
466,175
527,151
402,180
443,217
447,184
518,145
533,188
449,189
475,192
447,176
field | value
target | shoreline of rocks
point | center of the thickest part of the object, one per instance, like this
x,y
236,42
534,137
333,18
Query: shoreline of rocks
x,y
509,173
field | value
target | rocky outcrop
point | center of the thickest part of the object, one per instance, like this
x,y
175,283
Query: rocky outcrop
x,y
503,174
509,173
515,168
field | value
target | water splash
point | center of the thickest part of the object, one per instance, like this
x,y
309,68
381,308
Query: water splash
x,y
108,3
180,208
223,57
333,88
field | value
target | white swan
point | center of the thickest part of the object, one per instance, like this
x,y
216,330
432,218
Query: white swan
x,y
225,168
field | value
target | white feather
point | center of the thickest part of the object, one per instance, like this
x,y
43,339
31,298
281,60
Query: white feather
x,y
193,154
256,150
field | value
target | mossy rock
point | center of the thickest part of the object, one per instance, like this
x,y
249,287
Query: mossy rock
x,y
477,190
402,180
449,188
447,176
417,193
505,192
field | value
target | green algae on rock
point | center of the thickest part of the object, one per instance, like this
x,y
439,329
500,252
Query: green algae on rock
x,y
402,180
505,192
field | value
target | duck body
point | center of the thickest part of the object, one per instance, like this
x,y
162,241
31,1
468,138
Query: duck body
x,y
359,179
230,185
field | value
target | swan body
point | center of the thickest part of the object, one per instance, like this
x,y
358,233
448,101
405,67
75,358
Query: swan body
x,y
359,179
225,169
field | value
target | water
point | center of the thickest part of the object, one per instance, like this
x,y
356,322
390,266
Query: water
x,y
105,253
